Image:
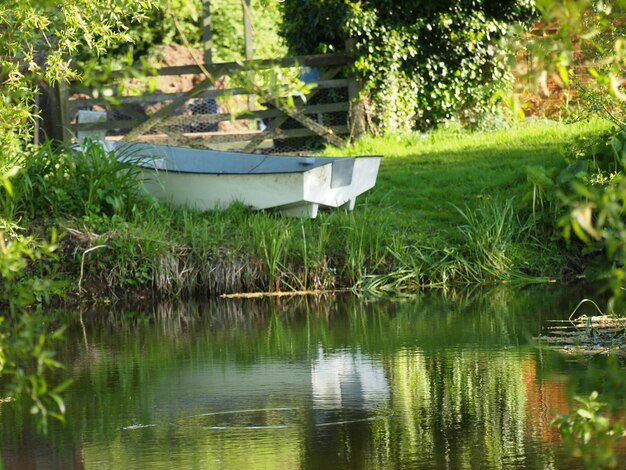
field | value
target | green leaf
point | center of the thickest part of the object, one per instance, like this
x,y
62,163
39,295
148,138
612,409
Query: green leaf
x,y
63,386
59,402
576,170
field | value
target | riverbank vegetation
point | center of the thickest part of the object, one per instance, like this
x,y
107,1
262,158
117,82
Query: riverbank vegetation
x,y
450,208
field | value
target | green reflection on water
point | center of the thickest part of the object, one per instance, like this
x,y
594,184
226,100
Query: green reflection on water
x,y
424,382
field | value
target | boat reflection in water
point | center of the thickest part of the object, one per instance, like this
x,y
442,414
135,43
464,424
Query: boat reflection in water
x,y
347,380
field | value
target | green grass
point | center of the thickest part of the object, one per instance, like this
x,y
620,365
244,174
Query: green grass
x,y
423,177
449,208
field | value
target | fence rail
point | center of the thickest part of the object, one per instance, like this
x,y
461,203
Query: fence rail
x,y
203,115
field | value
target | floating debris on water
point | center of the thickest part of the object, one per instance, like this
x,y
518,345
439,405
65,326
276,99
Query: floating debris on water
x,y
230,412
600,334
256,426
137,426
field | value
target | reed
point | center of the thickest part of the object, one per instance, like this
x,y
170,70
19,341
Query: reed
x,y
494,246
490,233
359,242
194,257
270,240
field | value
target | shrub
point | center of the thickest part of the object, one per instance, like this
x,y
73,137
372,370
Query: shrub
x,y
422,62
589,435
587,200
172,19
43,35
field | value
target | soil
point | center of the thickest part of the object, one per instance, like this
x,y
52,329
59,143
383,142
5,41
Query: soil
x,y
174,55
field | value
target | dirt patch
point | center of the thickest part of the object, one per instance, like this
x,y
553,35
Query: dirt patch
x,y
174,55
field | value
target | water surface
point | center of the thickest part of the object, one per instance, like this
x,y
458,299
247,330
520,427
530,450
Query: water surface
x,y
426,381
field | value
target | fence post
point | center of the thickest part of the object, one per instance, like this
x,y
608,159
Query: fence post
x,y
248,44
53,104
207,41
356,114
247,30
64,121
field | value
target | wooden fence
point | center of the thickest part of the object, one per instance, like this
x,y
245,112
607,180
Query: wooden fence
x,y
200,115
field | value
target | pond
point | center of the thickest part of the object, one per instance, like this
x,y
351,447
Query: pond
x,y
434,380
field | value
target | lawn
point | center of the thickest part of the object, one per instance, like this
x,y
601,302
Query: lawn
x,y
424,175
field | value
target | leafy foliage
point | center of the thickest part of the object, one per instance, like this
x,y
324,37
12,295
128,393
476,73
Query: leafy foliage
x,y
597,202
589,435
180,22
421,62
26,359
38,38
589,195
587,199
589,32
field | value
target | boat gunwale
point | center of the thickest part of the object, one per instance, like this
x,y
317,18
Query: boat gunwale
x,y
304,169
144,161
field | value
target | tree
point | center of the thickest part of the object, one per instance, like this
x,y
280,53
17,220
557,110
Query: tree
x,y
38,38
422,62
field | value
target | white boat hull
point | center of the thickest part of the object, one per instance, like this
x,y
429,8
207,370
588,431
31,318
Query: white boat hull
x,y
294,186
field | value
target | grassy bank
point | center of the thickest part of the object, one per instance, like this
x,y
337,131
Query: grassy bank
x,y
449,208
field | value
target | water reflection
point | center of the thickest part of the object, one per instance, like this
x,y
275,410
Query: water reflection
x,y
346,380
339,382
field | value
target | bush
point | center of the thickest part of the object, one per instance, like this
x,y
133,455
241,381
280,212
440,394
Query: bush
x,y
589,436
587,200
422,62
43,35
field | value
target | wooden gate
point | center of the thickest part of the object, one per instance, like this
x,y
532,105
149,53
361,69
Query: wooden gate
x,y
202,115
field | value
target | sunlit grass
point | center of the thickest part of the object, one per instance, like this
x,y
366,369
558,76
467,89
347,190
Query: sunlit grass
x,y
449,208
423,176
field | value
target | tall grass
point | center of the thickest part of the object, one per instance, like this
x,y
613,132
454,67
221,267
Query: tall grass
x,y
365,239
270,240
314,251
494,247
56,181
449,209
490,234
